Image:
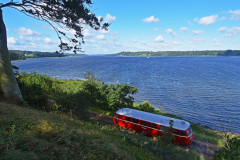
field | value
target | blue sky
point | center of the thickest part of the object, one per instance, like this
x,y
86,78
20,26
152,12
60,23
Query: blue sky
x,y
140,25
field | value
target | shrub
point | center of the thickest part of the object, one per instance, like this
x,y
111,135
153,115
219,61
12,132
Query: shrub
x,y
230,151
32,90
1,94
48,94
146,106
108,97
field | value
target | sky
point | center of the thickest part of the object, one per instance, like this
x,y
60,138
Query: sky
x,y
139,25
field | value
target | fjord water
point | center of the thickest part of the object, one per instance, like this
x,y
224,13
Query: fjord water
x,y
204,90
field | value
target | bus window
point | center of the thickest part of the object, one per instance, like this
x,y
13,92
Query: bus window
x,y
182,133
135,121
127,119
189,131
175,131
144,123
153,125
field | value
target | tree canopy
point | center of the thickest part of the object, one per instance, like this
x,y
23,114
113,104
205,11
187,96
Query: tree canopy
x,y
61,15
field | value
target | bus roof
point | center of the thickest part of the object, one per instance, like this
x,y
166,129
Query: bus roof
x,y
154,118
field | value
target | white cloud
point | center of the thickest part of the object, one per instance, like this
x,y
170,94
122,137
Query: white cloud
x,y
109,18
228,35
184,29
207,20
229,32
48,41
86,32
176,43
196,40
222,29
150,19
197,32
27,39
26,32
159,38
195,19
103,31
170,31
11,40
223,18
134,40
100,37
235,14
234,30
214,40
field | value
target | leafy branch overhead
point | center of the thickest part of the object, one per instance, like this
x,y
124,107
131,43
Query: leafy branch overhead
x,y
62,15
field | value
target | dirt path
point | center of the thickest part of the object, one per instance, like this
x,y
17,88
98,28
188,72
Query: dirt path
x,y
204,149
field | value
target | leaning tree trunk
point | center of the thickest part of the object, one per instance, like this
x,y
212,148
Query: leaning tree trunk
x,y
8,83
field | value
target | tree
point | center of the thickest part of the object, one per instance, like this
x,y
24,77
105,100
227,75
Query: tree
x,y
230,151
60,15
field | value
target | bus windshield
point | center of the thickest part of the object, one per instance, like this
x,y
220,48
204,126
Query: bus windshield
x,y
189,131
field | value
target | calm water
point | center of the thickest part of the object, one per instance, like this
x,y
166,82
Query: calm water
x,y
205,90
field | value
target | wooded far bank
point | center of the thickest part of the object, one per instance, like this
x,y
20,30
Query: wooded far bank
x,y
180,53
22,55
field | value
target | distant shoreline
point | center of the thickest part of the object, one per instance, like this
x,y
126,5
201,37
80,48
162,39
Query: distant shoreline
x,y
22,55
212,53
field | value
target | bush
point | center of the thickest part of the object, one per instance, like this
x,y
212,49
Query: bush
x,y
146,106
33,91
48,94
1,94
231,150
108,97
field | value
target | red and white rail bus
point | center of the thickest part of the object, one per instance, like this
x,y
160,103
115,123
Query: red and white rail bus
x,y
153,124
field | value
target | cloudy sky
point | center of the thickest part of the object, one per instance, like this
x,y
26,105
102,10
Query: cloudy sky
x,y
140,25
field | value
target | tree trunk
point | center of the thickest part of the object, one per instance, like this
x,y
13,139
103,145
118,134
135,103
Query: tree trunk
x,y
8,83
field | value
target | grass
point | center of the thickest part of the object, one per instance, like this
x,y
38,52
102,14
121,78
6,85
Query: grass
x,y
26,133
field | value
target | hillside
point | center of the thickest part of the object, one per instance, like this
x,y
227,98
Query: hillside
x,y
70,120
181,53
26,133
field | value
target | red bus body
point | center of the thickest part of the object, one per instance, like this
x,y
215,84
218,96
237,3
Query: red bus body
x,y
153,124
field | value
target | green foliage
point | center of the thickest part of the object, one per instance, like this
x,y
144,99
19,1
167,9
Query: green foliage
x,y
16,56
22,55
35,89
108,97
1,94
45,93
231,149
74,97
146,106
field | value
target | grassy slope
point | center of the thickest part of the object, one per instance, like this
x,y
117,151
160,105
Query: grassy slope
x,y
26,133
